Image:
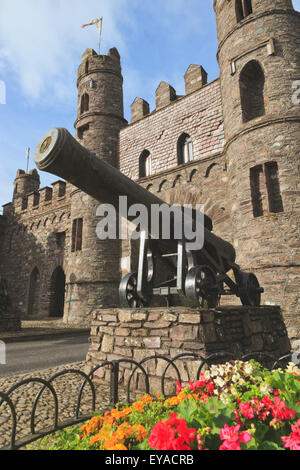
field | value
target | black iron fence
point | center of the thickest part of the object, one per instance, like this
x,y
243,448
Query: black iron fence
x,y
115,385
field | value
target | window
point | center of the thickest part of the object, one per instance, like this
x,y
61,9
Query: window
x,y
81,131
185,149
145,164
77,235
243,8
85,102
60,239
265,189
252,84
273,186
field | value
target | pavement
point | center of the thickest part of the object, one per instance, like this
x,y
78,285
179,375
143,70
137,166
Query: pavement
x,y
48,328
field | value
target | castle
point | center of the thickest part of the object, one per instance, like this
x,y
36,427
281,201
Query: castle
x,y
232,144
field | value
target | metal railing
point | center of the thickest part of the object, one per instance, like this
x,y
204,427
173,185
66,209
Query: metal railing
x,y
267,360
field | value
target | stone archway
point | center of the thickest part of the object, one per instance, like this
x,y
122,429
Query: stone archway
x,y
57,293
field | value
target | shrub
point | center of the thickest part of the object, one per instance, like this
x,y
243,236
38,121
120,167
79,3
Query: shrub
x,y
236,406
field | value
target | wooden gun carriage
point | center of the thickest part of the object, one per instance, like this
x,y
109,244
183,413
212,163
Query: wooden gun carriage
x,y
166,268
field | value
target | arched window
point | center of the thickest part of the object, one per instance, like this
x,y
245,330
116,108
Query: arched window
x,y
145,164
85,103
185,149
243,8
252,84
34,293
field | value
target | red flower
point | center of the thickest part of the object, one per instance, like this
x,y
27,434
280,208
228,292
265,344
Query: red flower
x,y
172,434
232,438
280,410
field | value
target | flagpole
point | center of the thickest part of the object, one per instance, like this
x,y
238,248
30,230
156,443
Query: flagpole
x,y
100,34
27,154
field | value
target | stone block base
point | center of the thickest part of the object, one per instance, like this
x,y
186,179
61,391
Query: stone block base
x,y
9,322
137,334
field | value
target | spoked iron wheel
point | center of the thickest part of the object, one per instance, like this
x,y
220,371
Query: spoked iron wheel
x,y
201,287
128,293
249,290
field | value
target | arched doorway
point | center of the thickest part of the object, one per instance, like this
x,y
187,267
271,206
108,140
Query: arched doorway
x,y
57,293
34,293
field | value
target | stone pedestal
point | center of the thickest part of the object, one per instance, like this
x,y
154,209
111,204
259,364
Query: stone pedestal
x,y
137,334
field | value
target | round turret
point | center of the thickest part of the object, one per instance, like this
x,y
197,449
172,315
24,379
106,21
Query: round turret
x,y
100,113
26,183
94,274
259,66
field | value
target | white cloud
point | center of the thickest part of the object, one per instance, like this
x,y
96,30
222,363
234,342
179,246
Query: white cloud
x,y
40,41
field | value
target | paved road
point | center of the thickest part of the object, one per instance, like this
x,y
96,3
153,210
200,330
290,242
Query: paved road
x,y
25,357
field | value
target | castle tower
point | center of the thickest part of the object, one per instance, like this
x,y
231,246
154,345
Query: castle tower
x,y
259,63
94,274
26,183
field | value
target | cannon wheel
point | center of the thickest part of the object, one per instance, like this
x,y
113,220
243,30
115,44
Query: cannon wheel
x,y
128,292
249,290
201,287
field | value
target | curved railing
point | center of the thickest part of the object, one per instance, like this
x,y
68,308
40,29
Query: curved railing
x,y
115,385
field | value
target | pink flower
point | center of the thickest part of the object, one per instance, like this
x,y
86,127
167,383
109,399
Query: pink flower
x,y
292,442
232,438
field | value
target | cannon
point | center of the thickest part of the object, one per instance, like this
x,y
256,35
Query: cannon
x,y
167,268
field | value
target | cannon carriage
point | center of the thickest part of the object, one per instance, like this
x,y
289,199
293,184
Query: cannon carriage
x,y
167,268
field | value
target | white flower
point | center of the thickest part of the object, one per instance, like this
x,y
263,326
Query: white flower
x,y
220,382
236,378
207,375
214,371
233,391
292,368
248,369
225,399
265,388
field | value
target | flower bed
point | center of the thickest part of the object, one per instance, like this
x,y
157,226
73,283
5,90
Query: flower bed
x,y
236,406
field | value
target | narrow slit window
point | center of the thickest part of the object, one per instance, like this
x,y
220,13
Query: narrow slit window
x,y
265,189
145,164
256,174
77,235
243,8
273,187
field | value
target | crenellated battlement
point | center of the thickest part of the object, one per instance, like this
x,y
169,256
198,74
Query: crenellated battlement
x,y
28,196
195,78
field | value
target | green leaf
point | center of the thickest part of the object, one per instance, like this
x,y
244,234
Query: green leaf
x,y
186,409
267,445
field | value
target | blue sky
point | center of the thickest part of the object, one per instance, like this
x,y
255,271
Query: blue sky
x,y
41,42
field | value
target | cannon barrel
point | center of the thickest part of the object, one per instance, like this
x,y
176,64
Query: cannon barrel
x,y
60,154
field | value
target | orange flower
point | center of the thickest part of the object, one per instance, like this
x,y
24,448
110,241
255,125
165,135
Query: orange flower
x,y
138,406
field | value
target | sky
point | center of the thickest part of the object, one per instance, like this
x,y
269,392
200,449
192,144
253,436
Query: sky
x,y
41,43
